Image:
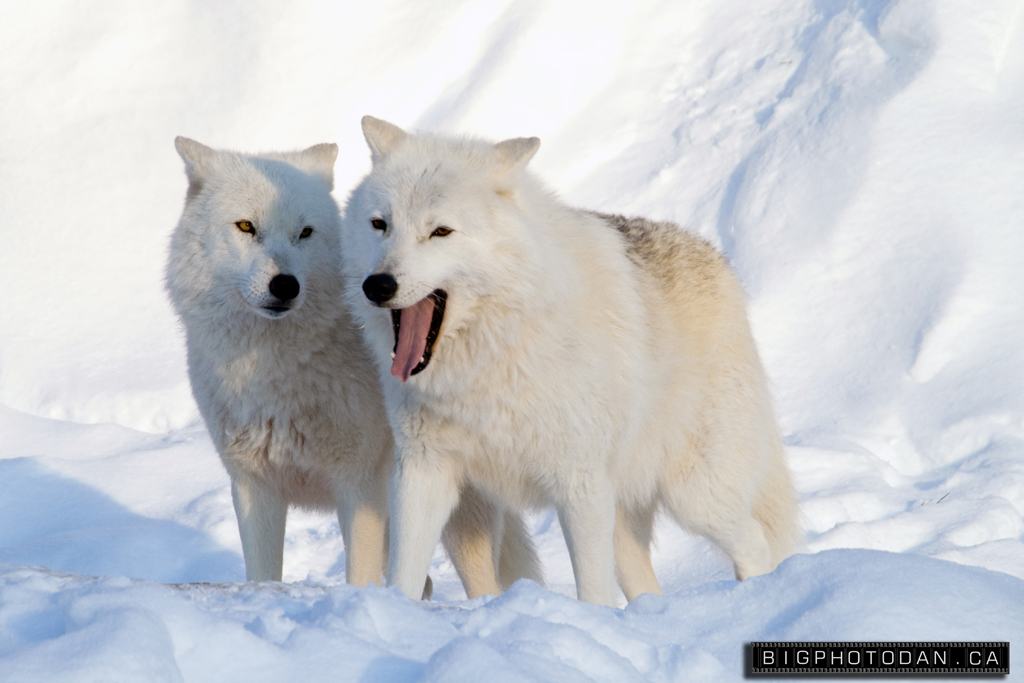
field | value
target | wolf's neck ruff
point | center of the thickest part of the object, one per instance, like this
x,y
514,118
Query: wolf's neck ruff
x,y
416,329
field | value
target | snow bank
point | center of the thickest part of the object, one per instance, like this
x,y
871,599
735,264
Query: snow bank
x,y
116,629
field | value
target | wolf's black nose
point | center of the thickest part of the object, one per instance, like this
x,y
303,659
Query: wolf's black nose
x,y
284,287
379,287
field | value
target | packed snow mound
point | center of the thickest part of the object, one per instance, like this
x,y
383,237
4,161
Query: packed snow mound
x,y
137,630
860,162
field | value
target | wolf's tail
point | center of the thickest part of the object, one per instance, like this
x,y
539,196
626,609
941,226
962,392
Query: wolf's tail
x,y
518,558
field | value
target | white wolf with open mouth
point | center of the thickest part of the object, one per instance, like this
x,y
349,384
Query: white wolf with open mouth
x,y
282,376
553,356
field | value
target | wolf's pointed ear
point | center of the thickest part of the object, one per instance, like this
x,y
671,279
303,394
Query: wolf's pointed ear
x,y
381,136
197,158
515,153
318,160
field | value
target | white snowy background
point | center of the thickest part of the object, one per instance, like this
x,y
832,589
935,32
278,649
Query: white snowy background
x,y
860,162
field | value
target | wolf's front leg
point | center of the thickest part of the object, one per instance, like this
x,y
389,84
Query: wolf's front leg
x,y
423,495
587,516
261,513
364,530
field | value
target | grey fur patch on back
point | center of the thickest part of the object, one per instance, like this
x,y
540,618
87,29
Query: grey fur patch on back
x,y
666,251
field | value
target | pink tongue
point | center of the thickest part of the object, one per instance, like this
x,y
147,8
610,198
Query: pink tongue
x,y
414,326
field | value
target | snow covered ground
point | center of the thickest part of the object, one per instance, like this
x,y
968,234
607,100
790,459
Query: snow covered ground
x,y
861,162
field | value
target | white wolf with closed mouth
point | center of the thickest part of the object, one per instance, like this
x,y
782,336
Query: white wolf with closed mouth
x,y
281,374
554,356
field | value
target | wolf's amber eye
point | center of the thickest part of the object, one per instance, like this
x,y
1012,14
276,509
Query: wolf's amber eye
x,y
378,224
246,226
306,232
442,232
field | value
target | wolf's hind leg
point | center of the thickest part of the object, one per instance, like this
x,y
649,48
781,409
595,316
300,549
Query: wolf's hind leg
x,y
634,531
587,517
724,520
748,547
472,538
261,513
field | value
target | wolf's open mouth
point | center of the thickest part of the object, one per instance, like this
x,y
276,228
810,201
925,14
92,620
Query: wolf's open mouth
x,y
416,329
